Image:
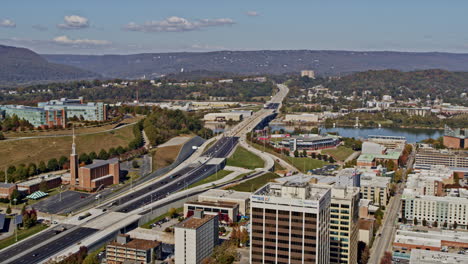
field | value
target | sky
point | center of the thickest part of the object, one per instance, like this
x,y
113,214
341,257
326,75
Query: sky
x,y
138,26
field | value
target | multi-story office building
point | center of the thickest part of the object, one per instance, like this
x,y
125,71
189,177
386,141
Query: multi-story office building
x,y
36,116
76,108
391,142
456,138
309,143
127,250
195,238
426,157
435,209
56,112
230,196
344,228
290,223
227,212
375,188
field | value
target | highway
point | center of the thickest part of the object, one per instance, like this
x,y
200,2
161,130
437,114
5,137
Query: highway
x,y
384,237
209,163
179,180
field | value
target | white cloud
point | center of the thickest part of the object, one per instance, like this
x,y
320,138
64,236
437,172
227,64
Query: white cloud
x,y
8,23
65,40
177,24
252,13
74,22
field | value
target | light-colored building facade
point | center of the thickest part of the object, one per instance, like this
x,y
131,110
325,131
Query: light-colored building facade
x,y
221,117
36,116
308,73
290,223
426,157
230,196
304,118
344,228
195,238
432,209
376,189
90,111
227,212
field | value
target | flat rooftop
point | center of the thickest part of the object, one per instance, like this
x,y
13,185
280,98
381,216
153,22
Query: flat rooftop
x,y
39,180
99,163
214,204
194,222
6,185
375,181
419,256
226,194
430,238
141,244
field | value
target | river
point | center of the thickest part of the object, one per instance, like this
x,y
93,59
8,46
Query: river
x,y
412,135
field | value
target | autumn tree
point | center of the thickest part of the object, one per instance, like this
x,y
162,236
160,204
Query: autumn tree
x,y
387,258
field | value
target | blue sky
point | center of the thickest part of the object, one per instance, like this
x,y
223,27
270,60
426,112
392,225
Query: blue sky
x,y
124,26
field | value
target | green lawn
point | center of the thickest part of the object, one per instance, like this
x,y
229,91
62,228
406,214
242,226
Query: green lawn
x,y
306,164
341,153
245,159
296,162
147,225
278,167
254,184
22,234
217,176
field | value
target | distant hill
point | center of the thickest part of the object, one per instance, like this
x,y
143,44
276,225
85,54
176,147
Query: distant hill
x,y
20,66
325,63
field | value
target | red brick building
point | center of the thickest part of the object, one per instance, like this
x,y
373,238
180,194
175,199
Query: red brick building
x,y
456,138
6,189
100,173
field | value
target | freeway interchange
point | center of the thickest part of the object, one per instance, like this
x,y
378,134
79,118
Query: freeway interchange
x,y
212,160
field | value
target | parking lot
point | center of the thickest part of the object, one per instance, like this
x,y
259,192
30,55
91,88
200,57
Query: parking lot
x,y
325,170
64,203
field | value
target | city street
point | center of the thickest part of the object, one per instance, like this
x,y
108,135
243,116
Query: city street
x,y
384,237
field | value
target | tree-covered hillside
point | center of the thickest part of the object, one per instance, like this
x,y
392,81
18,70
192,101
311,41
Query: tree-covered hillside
x,y
19,65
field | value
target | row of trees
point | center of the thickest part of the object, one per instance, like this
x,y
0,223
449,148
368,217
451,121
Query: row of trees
x,y
238,90
424,222
163,124
14,123
23,171
314,155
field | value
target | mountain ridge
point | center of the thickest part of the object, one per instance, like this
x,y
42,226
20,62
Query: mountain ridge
x,y
22,66
324,62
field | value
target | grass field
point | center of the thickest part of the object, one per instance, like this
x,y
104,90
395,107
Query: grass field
x,y
22,234
296,162
69,131
254,184
43,149
340,153
245,159
217,176
306,164
164,156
